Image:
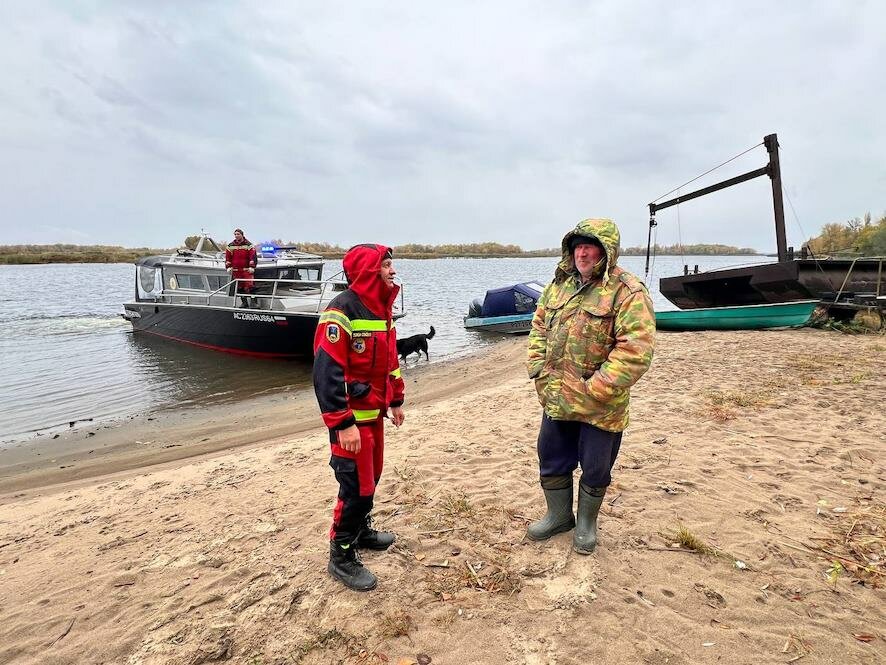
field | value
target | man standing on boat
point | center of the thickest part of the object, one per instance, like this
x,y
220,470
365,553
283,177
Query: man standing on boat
x,y
356,380
591,340
240,260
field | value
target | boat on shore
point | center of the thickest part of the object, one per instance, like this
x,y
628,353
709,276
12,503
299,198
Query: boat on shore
x,y
746,317
846,285
507,310
190,297
846,282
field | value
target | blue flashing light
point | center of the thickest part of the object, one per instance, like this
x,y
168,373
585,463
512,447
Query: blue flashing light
x,y
268,249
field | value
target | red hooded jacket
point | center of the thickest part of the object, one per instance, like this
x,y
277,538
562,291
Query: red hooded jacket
x,y
356,369
241,256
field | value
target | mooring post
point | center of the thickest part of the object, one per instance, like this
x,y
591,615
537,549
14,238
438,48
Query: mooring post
x,y
771,143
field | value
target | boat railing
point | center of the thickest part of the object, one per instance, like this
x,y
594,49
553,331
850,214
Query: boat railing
x,y
309,290
315,293
880,260
326,285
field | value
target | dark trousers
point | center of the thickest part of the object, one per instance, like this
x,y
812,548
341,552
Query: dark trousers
x,y
357,475
564,444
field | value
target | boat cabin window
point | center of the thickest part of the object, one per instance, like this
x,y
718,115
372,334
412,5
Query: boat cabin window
x,y
307,273
189,281
523,303
216,282
147,278
149,283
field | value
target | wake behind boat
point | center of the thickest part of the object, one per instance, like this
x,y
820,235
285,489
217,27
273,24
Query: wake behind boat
x,y
190,297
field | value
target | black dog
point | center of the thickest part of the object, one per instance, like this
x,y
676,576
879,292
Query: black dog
x,y
415,344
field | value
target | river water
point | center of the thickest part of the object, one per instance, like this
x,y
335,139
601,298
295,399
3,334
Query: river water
x,y
69,357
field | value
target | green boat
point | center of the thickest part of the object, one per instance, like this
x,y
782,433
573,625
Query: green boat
x,y
747,317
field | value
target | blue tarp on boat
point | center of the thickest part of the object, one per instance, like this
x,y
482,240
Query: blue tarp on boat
x,y
508,309
507,300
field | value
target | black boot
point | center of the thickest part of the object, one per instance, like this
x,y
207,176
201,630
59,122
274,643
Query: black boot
x,y
371,539
559,518
584,540
346,567
244,302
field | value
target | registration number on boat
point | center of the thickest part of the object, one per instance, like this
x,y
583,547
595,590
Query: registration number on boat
x,y
248,316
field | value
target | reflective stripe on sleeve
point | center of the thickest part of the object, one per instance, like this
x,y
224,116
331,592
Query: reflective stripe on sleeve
x,y
371,325
333,316
396,373
362,415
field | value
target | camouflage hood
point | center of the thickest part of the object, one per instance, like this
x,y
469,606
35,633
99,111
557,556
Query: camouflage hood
x,y
603,230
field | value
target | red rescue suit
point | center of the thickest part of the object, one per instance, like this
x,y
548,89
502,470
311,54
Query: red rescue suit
x,y
242,259
356,379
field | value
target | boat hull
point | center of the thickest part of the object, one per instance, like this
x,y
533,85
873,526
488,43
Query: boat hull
x,y
751,317
786,281
250,332
517,324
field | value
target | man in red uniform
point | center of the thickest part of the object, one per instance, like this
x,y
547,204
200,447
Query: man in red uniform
x,y
356,380
240,260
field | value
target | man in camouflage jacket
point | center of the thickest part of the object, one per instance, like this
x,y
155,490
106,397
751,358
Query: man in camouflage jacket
x,y
591,340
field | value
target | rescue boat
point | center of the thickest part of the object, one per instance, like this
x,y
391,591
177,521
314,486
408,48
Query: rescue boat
x,y
190,297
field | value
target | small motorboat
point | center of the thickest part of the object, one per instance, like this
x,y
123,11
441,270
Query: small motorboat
x,y
747,317
508,309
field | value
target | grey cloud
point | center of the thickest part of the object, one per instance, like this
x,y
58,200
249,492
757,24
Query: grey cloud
x,y
153,144
114,92
271,201
62,106
493,118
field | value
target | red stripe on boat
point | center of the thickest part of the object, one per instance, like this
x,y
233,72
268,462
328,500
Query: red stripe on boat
x,y
224,349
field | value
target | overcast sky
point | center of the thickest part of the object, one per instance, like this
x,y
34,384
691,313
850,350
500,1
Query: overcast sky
x,y
138,123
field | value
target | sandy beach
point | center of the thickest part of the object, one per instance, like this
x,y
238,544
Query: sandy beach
x,y
745,524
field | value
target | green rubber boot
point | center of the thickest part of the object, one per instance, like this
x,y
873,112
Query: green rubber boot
x,y
584,540
559,518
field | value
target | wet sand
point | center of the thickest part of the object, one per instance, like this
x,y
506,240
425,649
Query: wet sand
x,y
766,448
172,435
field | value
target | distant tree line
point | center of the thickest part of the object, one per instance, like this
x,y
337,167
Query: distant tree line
x,y
691,250
24,254
418,251
494,250
63,253
498,250
859,236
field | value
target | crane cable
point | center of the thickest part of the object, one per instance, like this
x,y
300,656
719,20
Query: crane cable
x,y
649,271
731,159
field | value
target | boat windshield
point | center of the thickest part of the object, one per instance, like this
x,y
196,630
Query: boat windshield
x,y
309,273
150,282
535,286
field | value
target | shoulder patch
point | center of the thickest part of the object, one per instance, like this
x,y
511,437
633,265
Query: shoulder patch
x,y
333,332
633,282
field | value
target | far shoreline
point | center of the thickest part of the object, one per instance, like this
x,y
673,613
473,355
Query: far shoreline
x,y
338,256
